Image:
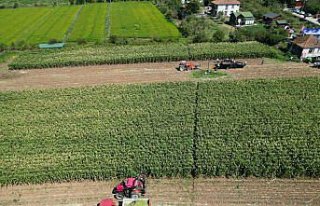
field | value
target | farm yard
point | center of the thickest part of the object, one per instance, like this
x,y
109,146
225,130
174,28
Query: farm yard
x,y
88,22
112,104
142,73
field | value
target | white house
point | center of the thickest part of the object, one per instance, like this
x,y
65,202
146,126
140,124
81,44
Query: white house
x,y
225,7
307,47
187,1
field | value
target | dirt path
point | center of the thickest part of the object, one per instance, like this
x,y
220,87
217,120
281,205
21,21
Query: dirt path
x,y
140,73
217,191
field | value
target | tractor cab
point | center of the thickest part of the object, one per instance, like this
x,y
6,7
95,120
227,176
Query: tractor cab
x,y
187,65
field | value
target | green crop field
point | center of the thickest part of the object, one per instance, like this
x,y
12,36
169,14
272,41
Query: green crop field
x,y
138,54
140,19
264,128
9,3
91,23
35,25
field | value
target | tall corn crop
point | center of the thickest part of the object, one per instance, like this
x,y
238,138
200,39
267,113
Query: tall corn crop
x,y
138,54
259,128
262,128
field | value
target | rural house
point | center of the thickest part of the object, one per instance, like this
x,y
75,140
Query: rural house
x,y
313,31
242,18
299,4
270,17
307,47
225,7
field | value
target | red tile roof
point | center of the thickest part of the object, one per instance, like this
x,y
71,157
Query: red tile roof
x,y
220,2
307,42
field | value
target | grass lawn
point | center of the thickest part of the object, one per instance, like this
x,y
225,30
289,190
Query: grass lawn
x,y
91,23
204,74
140,19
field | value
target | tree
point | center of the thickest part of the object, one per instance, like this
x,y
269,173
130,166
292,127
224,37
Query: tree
x,y
192,7
199,29
312,6
218,36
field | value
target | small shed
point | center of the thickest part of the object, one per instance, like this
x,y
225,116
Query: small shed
x,y
282,23
242,18
51,46
270,17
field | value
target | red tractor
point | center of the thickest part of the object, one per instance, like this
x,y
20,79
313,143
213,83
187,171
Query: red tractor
x,y
187,65
131,191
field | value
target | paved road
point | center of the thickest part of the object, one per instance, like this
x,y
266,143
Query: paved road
x,y
310,19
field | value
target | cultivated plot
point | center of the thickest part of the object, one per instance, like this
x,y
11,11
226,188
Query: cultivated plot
x,y
35,25
91,23
140,19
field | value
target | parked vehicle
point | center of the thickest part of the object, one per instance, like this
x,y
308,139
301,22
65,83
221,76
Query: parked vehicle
x,y
316,65
229,64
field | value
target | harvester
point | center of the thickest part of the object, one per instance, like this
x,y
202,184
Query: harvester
x,y
130,192
187,65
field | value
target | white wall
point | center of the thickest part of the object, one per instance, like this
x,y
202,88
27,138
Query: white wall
x,y
227,9
314,53
185,1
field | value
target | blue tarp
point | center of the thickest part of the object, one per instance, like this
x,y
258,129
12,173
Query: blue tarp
x,y
313,31
51,46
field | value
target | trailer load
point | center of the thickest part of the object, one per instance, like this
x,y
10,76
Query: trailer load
x,y
229,64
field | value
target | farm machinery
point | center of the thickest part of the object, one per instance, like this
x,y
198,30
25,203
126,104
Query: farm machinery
x,y
187,65
229,64
130,192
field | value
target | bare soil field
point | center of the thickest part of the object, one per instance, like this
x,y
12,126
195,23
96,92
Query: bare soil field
x,y
216,191
141,73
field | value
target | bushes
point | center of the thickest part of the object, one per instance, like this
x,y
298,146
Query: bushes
x,y
248,128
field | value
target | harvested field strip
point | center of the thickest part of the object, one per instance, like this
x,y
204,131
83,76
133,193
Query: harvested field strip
x,y
260,128
90,24
138,54
173,192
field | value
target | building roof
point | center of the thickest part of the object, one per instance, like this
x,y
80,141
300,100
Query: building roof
x,y
223,2
307,42
246,14
271,15
282,22
312,31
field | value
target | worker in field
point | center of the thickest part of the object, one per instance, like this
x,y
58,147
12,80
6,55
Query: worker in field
x,y
130,187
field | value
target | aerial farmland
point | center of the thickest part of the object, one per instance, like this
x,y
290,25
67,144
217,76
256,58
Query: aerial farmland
x,y
95,93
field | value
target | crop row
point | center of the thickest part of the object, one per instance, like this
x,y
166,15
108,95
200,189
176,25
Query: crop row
x,y
139,54
249,128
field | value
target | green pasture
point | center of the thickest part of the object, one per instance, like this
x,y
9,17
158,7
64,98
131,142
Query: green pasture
x,y
35,25
140,19
91,23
